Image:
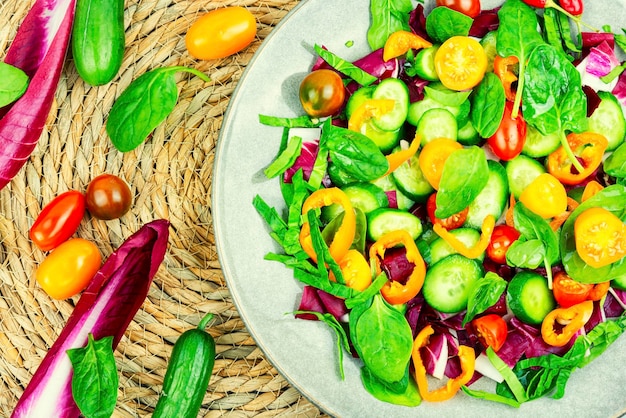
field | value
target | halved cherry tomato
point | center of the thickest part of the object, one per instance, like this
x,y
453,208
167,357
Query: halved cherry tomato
x,y
433,157
69,268
451,222
469,8
600,237
220,33
501,239
567,291
491,330
460,63
509,139
58,220
545,196
108,197
322,93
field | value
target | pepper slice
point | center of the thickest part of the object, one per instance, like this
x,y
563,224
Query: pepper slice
x,y
394,291
395,159
400,42
345,233
587,147
504,68
481,246
560,325
467,359
370,108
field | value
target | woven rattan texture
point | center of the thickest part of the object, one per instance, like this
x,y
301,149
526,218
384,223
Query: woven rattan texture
x,y
170,176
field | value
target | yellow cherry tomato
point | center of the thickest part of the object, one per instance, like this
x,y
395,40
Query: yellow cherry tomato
x,y
220,33
600,237
545,196
460,63
68,269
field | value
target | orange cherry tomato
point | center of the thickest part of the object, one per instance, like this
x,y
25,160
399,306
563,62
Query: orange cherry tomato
x,y
460,63
501,239
491,330
451,222
68,269
433,157
469,8
545,196
600,237
322,93
58,220
108,197
220,33
568,292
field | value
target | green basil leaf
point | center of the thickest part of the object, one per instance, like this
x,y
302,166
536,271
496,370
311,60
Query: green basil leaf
x,y
95,380
345,67
526,254
456,191
383,339
388,16
285,159
408,395
354,153
484,294
145,103
446,96
13,83
488,102
615,164
443,23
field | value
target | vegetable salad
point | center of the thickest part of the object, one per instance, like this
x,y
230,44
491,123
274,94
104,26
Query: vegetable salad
x,y
459,210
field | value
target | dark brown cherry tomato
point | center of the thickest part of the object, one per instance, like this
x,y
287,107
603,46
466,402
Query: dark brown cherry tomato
x,y
470,8
108,197
322,93
508,141
451,222
501,239
491,330
58,220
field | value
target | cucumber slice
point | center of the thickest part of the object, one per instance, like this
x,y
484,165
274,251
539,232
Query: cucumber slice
x,y
538,145
492,199
425,63
389,185
529,297
364,196
358,98
449,281
384,220
410,180
392,88
520,172
437,123
440,249
384,140
489,45
608,120
467,134
417,110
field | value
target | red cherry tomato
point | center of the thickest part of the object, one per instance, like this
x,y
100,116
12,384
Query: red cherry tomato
x,y
470,8
568,292
220,33
501,239
452,222
58,220
322,93
508,141
68,269
491,330
108,197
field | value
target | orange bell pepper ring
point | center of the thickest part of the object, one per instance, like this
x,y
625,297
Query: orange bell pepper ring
x,y
395,292
467,358
400,42
591,189
588,149
503,67
560,325
355,269
481,246
370,108
344,236
395,159
599,291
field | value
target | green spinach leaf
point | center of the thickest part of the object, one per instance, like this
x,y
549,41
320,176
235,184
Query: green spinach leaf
x,y
488,102
145,103
615,164
388,16
485,293
526,253
95,380
13,83
443,23
407,395
456,191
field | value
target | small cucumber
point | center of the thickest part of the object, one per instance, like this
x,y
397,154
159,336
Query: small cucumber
x,y
98,39
188,374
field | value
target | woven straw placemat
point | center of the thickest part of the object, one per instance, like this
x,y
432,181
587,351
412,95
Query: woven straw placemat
x,y
170,176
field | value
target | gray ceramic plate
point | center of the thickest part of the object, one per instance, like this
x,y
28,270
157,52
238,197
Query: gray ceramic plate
x,y
264,292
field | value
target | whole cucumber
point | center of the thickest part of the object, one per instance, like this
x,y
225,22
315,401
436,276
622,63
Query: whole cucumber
x,y
98,39
188,374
